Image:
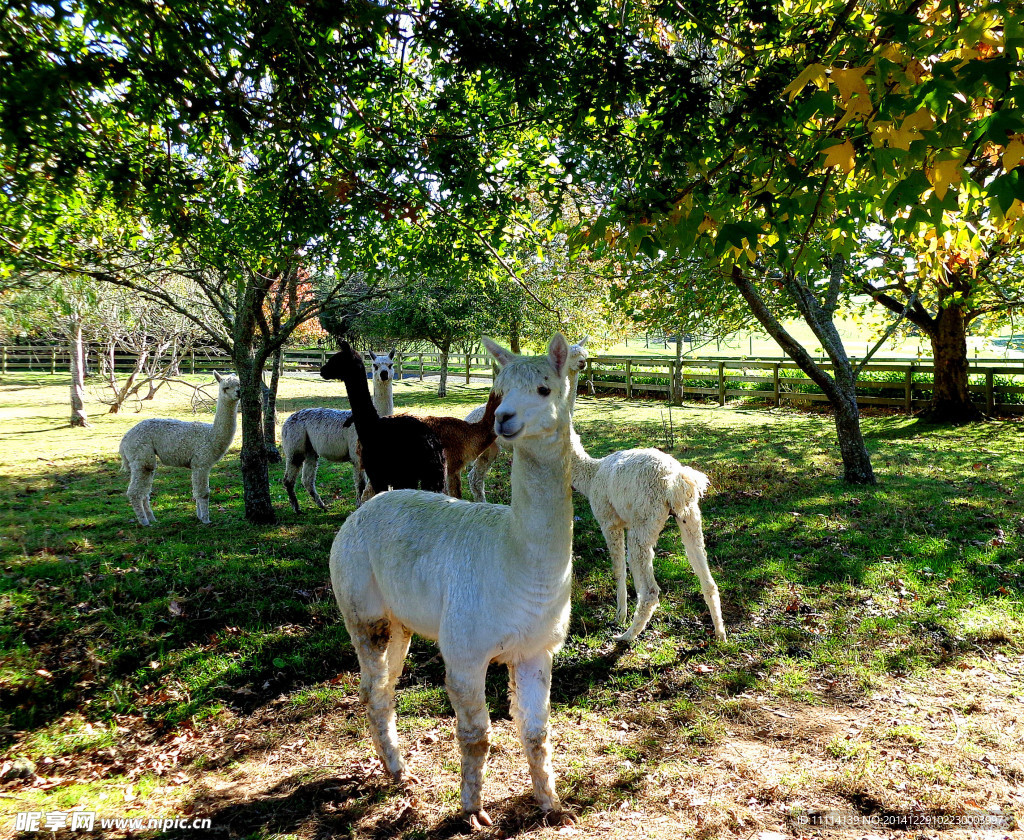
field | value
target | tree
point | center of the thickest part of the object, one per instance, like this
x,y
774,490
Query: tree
x,y
64,307
768,137
444,308
247,141
973,289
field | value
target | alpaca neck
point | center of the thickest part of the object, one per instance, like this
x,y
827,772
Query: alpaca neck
x,y
574,378
225,422
383,398
542,505
363,411
584,468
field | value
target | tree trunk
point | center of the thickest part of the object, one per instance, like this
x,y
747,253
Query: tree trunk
x,y
951,399
841,390
442,389
259,508
270,409
77,349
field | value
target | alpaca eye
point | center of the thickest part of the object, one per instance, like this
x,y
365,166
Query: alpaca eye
x,y
544,390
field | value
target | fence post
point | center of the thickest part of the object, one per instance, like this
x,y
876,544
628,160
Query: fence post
x,y
323,356
990,397
721,383
398,363
629,379
776,389
53,360
908,390
421,366
671,381
3,365
192,357
468,360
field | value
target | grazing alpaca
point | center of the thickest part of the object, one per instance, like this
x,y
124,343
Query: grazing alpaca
x,y
482,464
178,443
314,433
636,490
395,452
490,583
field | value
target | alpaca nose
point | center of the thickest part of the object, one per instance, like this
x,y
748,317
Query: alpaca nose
x,y
504,423
383,376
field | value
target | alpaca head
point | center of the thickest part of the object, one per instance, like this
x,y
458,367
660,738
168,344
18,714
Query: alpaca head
x,y
384,367
228,387
532,389
578,354
344,360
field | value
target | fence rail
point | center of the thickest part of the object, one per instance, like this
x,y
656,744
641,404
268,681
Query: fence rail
x,y
998,384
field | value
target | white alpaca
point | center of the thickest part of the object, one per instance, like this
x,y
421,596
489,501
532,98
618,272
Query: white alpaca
x,y
637,490
177,443
482,465
490,583
314,433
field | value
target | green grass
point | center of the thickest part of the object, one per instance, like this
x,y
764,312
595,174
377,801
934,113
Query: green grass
x,y
825,587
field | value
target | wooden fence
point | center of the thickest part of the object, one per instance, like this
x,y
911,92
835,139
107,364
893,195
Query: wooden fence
x,y
997,384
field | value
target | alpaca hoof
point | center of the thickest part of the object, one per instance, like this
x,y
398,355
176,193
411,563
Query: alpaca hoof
x,y
623,639
720,635
559,818
477,819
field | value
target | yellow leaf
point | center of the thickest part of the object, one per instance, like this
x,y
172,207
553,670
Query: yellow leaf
x,y
812,73
943,174
840,155
851,82
921,118
859,106
706,225
1012,154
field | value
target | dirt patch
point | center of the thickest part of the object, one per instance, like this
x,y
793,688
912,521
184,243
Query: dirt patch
x,y
936,746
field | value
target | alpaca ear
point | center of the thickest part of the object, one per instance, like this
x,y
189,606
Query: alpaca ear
x,y
216,376
558,353
501,355
394,350
583,340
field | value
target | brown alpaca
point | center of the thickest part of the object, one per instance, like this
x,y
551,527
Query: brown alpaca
x,y
463,442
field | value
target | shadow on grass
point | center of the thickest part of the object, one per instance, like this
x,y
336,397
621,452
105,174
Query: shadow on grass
x,y
238,615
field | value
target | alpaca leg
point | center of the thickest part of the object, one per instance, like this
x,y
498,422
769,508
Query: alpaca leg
x,y
309,467
466,690
616,539
361,482
398,647
149,509
478,472
140,485
693,541
201,493
641,566
530,698
453,483
373,644
294,462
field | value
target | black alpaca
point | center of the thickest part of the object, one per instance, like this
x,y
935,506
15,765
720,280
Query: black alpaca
x,y
397,452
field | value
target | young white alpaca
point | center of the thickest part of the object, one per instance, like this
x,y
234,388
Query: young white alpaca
x,y
635,490
490,583
482,465
314,433
177,443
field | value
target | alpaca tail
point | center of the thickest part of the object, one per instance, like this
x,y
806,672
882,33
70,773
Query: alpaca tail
x,y
689,488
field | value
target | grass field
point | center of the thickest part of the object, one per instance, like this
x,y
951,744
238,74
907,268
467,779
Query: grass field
x,y
874,664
